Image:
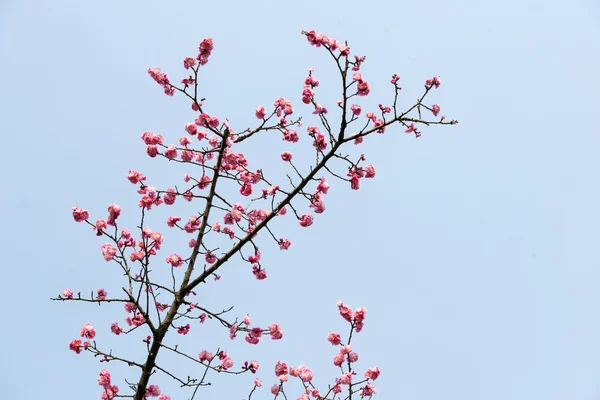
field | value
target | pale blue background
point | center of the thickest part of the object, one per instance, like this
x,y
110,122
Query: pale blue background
x,y
475,249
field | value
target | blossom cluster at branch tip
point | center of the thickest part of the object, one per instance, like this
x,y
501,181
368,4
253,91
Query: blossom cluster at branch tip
x,y
79,214
431,82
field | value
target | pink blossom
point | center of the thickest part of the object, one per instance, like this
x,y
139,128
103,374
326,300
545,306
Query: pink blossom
x,y
256,257
368,390
192,224
175,260
338,359
247,320
257,382
205,356
191,128
136,256
232,331
363,88
101,294
304,373
275,331
372,373
108,251
79,214
370,171
205,49
189,62
291,135
67,294
229,231
75,345
411,128
436,81
317,203
204,182
110,393
171,221
275,389
160,77
260,112
170,196
183,330
284,244
395,79
104,379
345,311
152,150
137,320
171,152
286,156
319,109
246,189
359,316
306,220
281,368
334,338
227,363
311,80
130,307
153,391
323,185
135,177
356,109
270,191
115,328
151,139
210,258
435,109
346,378
253,337
354,182
259,273
88,331
379,124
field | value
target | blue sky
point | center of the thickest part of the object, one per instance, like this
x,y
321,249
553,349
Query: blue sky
x,y
474,249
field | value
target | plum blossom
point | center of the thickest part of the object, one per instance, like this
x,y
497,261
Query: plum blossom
x,y
260,112
275,331
281,368
88,331
334,338
115,328
79,214
306,220
75,345
104,379
372,373
101,294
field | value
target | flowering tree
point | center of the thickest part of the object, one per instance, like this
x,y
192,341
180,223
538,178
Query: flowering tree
x,y
229,225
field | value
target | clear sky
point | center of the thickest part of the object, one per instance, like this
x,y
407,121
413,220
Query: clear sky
x,y
475,249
